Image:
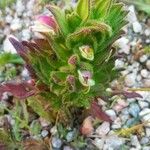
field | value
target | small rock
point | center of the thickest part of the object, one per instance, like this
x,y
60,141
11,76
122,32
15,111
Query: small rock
x,y
16,25
67,148
8,19
70,136
103,129
146,148
143,104
56,142
111,113
144,73
7,47
43,122
145,115
146,83
117,123
2,121
44,133
131,15
147,32
139,77
130,80
135,142
148,64
53,130
119,64
143,58
137,27
114,142
147,130
134,109
99,143
144,140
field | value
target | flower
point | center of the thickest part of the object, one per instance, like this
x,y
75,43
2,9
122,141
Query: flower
x,y
85,78
44,24
87,52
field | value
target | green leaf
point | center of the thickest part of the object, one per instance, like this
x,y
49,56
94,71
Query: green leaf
x,y
60,18
6,58
83,9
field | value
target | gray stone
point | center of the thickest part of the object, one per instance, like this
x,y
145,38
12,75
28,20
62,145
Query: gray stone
x,y
144,140
56,142
134,109
44,133
148,64
70,136
144,73
143,104
103,129
137,27
135,142
130,80
67,148
143,58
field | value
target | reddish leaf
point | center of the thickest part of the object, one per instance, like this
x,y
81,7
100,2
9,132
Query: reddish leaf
x,y
131,95
19,90
19,48
96,111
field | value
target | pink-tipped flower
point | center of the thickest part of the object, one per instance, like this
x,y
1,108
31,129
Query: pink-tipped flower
x,y
47,20
85,78
73,60
44,24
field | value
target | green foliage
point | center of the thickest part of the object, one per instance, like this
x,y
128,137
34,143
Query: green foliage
x,y
75,60
5,3
8,58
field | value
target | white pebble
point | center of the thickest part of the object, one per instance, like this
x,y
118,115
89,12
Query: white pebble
x,y
147,130
148,64
144,73
103,129
119,64
143,58
44,133
137,27
130,80
147,32
143,104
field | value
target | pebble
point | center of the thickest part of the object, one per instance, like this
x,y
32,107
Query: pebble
x,y
143,104
116,124
144,73
111,113
131,15
114,142
119,64
134,109
143,58
70,136
135,142
43,122
2,121
67,148
56,142
145,115
8,47
99,143
130,80
144,140
147,131
137,27
103,129
44,133
16,25
147,32
53,130
148,64
146,83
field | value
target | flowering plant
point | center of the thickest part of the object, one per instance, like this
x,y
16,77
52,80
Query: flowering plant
x,y
72,61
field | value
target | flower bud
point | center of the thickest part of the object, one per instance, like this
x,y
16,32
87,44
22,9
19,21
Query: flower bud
x,y
87,52
85,78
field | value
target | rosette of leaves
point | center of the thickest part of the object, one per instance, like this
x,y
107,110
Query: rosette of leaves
x,y
73,62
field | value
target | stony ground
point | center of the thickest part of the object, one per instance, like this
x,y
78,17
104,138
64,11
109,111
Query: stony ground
x,y
131,117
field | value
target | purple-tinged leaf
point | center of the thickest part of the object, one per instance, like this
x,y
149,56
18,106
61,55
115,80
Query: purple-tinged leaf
x,y
96,111
31,71
132,95
19,90
19,48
